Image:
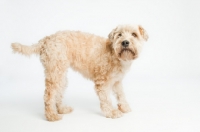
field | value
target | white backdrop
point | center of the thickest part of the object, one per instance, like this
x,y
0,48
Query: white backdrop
x,y
162,87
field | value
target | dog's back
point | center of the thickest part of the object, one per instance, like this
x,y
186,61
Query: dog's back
x,y
74,47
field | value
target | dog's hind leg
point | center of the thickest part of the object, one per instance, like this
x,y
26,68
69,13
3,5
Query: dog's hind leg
x,y
62,109
55,86
50,100
54,59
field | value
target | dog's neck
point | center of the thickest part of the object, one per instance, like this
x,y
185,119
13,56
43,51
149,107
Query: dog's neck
x,y
125,65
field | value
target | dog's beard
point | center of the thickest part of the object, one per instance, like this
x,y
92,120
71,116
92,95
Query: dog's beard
x,y
127,54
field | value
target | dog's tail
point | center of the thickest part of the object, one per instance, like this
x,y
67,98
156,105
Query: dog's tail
x,y
26,50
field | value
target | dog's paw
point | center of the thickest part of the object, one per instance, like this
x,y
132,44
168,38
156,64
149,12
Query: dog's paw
x,y
116,114
65,110
113,114
54,117
125,108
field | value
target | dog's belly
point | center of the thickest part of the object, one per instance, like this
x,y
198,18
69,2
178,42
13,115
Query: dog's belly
x,y
82,69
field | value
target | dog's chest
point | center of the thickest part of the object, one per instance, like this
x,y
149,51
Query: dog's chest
x,y
120,72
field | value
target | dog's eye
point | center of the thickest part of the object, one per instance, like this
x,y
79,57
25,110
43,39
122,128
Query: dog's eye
x,y
134,34
119,35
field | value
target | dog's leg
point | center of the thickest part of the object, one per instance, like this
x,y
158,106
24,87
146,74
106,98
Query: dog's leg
x,y
55,86
55,71
50,100
62,109
122,103
106,106
53,56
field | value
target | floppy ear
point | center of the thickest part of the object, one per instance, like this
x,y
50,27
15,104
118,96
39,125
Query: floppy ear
x,y
111,34
143,33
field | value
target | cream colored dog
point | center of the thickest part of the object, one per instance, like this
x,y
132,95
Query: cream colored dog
x,y
104,61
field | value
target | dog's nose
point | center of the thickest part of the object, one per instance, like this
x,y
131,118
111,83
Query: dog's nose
x,y
125,43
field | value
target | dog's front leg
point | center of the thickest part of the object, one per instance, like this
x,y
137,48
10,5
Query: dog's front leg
x,y
103,91
122,103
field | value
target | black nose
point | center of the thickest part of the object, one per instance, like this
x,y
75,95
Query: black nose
x,y
125,43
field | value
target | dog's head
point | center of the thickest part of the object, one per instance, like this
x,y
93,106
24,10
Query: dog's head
x,y
127,41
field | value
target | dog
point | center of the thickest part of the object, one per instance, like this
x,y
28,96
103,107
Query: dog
x,y
102,60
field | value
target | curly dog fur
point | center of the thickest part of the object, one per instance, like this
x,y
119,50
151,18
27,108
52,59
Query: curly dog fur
x,y
102,60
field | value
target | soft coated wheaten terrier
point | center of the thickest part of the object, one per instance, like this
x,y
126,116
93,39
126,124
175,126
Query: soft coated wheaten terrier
x,y
102,60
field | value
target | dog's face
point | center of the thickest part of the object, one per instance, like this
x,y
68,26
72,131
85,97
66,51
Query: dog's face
x,y
127,41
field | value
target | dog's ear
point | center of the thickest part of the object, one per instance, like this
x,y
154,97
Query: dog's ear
x,y
111,34
143,33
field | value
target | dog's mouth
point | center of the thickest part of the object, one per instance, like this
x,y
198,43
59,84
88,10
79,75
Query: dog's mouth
x,y
126,50
127,54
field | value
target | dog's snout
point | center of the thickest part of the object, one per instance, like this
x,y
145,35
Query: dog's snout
x,y
125,43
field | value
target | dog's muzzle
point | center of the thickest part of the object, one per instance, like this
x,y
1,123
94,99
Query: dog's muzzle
x,y
128,53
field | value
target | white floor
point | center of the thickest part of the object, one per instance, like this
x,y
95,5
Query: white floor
x,y
158,105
